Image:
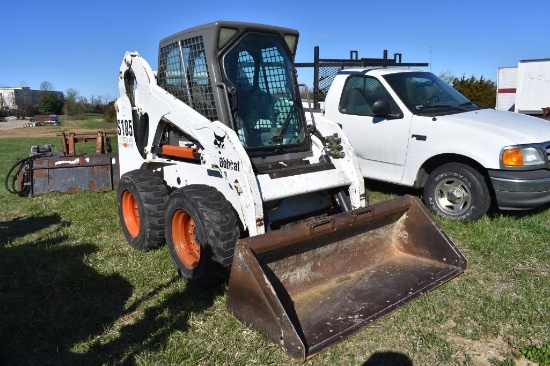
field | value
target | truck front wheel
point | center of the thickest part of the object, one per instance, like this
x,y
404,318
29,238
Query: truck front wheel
x,y
458,192
201,232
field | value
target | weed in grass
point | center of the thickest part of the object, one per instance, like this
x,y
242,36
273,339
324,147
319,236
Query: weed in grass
x,y
538,353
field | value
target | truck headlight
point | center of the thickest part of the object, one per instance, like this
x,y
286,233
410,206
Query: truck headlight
x,y
518,157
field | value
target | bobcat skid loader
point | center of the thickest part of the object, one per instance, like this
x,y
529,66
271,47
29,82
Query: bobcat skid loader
x,y
219,161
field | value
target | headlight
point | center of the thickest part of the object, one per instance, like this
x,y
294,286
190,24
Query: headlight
x,y
526,156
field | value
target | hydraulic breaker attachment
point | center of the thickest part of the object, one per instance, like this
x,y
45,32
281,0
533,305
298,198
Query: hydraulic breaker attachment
x,y
311,285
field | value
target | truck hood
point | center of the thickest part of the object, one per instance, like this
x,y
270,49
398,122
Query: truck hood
x,y
518,128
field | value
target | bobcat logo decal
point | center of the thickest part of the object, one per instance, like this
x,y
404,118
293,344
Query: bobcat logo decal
x,y
219,142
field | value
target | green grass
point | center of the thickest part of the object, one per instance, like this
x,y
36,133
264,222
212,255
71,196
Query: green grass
x,y
91,121
73,292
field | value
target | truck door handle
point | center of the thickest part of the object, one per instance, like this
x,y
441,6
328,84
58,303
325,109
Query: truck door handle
x,y
420,137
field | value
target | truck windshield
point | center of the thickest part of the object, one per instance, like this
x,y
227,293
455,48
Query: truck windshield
x,y
425,94
266,106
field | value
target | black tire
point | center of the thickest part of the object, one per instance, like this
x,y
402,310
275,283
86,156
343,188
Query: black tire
x,y
142,197
201,232
458,192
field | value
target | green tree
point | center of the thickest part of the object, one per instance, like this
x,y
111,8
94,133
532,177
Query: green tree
x,y
110,112
480,91
50,105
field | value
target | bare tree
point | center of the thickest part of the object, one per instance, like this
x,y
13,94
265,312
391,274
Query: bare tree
x,y
447,76
46,86
96,103
73,105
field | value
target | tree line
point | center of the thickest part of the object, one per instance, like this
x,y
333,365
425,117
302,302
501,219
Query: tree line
x,y
481,91
74,105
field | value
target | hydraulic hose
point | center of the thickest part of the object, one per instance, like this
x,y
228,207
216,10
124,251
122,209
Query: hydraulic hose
x,y
22,165
341,198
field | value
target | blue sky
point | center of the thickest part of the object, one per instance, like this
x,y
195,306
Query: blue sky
x,y
80,44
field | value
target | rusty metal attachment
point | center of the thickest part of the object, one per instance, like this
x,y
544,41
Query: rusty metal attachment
x,y
69,140
312,285
69,174
45,171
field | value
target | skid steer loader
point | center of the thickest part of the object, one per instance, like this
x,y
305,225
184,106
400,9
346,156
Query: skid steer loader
x,y
218,160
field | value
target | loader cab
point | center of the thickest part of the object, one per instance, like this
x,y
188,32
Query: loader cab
x,y
243,75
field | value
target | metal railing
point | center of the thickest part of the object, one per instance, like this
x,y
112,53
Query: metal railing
x,y
325,70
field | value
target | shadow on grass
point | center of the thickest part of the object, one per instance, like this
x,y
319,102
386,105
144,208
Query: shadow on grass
x,y
57,309
153,330
392,189
388,359
49,298
520,214
22,226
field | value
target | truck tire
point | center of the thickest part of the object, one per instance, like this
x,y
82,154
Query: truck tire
x,y
458,192
201,232
142,197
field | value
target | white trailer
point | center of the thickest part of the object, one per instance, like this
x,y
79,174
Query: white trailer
x,y
526,88
507,80
533,90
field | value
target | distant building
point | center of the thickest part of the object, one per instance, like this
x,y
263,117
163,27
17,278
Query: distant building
x,y
20,97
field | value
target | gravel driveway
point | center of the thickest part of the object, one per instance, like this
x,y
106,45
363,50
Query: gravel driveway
x,y
14,123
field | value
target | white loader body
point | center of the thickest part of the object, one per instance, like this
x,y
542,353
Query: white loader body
x,y
224,163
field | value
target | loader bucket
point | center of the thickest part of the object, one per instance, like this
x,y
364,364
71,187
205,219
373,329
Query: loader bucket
x,y
312,285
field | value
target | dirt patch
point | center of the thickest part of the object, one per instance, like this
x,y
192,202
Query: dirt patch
x,y
484,350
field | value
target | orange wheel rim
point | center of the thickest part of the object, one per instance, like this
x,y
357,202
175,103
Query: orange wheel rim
x,y
183,236
130,213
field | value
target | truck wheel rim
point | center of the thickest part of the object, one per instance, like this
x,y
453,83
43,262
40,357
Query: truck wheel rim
x,y
452,197
130,213
183,237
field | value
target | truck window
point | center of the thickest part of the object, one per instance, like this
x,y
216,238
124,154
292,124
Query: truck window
x,y
426,94
359,94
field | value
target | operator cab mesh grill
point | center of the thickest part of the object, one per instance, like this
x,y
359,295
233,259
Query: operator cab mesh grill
x,y
183,72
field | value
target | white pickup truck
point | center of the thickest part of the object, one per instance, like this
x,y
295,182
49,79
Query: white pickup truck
x,y
410,128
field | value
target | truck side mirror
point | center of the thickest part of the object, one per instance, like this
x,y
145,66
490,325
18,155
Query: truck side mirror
x,y
382,108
